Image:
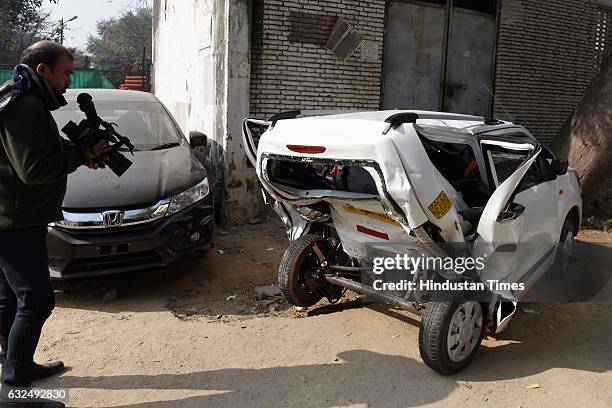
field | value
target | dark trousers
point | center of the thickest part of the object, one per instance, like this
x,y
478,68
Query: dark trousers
x,y
26,299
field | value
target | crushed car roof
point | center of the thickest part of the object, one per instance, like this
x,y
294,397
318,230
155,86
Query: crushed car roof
x,y
453,122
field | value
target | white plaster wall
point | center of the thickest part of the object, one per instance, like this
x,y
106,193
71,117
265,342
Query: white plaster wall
x,y
201,72
184,75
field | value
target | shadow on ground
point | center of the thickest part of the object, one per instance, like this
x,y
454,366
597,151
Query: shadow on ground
x,y
358,376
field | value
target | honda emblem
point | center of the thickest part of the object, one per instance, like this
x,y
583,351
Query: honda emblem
x,y
112,218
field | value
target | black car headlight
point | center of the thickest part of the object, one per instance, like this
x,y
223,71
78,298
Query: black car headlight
x,y
188,197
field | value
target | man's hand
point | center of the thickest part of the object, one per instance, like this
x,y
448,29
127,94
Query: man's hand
x,y
101,148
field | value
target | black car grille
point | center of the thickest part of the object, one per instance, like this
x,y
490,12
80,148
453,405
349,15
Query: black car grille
x,y
112,262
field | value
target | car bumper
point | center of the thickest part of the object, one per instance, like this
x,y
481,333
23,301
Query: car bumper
x,y
83,253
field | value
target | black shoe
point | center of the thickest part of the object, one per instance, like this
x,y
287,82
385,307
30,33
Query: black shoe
x,y
40,371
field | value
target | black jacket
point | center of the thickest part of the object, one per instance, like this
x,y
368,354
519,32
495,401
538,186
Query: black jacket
x,y
34,164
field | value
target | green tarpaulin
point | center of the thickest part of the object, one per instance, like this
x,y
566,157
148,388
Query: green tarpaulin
x,y
80,79
90,79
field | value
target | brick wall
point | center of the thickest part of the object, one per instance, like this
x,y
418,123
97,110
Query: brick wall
x,y
291,67
547,54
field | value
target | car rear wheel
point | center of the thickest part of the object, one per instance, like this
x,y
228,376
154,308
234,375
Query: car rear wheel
x,y
297,267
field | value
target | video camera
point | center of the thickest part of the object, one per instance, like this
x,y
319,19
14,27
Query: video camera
x,y
117,162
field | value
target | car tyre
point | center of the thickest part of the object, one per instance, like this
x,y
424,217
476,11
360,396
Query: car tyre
x,y
297,265
450,333
564,249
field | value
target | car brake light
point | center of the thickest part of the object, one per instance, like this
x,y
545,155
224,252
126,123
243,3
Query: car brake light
x,y
307,149
372,232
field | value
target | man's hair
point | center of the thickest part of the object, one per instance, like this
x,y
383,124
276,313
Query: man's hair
x,y
44,52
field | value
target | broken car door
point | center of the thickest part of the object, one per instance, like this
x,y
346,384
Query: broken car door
x,y
505,221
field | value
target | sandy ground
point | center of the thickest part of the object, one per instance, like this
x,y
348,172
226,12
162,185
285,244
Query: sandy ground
x,y
171,339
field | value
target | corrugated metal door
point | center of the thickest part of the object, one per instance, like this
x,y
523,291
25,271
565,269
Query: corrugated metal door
x,y
413,56
439,56
470,57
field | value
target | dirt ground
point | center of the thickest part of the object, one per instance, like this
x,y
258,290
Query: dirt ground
x,y
172,338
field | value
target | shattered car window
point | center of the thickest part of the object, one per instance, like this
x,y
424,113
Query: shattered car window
x,y
505,162
457,163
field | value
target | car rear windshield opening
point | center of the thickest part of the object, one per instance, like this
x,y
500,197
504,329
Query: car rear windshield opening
x,y
321,176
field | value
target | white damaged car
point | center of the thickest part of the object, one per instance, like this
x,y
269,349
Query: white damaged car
x,y
350,187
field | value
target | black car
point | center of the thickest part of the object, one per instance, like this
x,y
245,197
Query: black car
x,y
159,211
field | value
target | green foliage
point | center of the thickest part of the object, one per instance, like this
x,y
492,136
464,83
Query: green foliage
x,y
21,21
21,14
120,42
597,223
81,59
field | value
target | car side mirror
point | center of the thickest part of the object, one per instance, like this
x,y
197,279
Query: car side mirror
x,y
512,212
197,139
559,166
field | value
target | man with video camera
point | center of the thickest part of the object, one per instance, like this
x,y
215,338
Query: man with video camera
x,y
34,164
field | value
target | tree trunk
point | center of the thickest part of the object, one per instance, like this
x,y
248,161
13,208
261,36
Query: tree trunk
x,y
586,141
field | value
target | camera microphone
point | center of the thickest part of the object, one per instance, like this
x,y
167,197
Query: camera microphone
x,y
115,160
86,105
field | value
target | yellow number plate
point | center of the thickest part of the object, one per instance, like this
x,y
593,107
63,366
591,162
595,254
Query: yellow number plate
x,y
440,206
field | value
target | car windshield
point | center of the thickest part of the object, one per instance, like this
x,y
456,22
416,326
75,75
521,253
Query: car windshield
x,y
146,124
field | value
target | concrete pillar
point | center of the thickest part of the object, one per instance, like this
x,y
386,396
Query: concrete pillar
x,y
243,193
202,74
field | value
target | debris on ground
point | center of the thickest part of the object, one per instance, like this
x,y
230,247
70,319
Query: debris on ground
x,y
231,298
255,221
232,250
533,386
267,291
